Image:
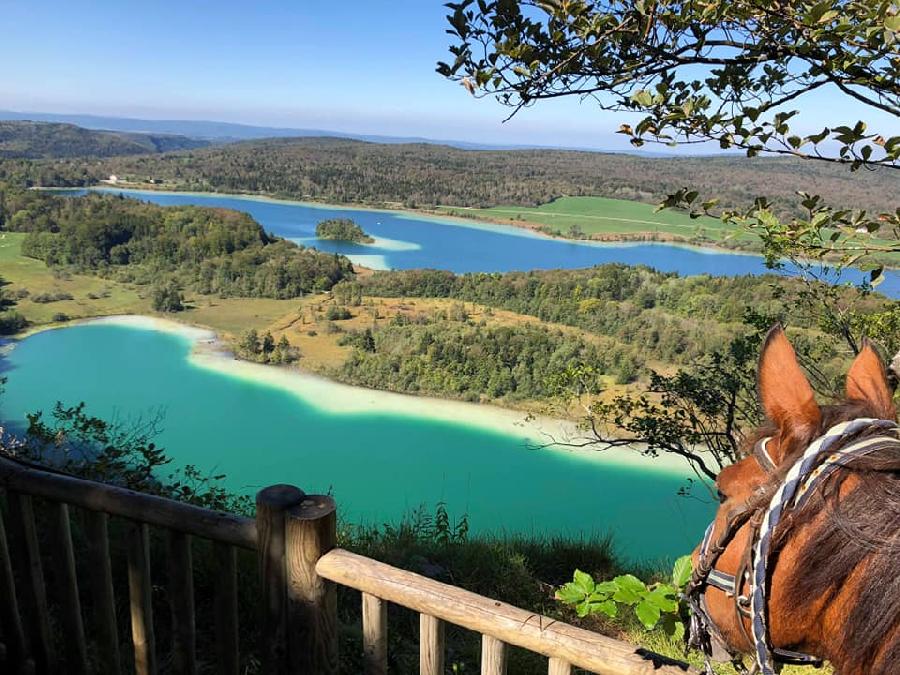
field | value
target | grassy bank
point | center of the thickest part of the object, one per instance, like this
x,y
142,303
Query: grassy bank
x,y
610,220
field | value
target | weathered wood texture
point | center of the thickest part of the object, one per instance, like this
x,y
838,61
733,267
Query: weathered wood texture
x,y
541,634
271,505
32,592
559,667
10,619
310,532
375,635
105,625
140,595
226,607
66,588
431,645
181,603
136,506
493,656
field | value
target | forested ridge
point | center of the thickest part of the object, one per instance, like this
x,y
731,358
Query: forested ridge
x,y
661,315
210,250
625,321
46,140
422,175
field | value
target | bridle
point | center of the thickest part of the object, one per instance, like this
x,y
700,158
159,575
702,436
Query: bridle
x,y
821,458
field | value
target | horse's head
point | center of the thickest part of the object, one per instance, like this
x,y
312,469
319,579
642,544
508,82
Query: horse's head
x,y
797,621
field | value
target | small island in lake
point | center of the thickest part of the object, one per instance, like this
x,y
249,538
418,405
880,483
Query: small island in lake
x,y
342,229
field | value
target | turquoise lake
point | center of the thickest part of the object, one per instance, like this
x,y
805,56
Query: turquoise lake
x,y
406,241
378,466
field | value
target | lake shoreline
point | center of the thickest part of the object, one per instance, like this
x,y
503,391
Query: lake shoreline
x,y
525,228
510,227
211,353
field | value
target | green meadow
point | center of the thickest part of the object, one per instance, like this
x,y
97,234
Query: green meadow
x,y
603,217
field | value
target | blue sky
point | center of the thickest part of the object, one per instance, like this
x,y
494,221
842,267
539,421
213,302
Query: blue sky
x,y
356,66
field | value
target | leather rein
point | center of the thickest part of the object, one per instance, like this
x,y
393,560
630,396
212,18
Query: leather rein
x,y
821,458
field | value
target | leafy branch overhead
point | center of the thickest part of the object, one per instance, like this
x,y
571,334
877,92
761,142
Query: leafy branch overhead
x,y
702,71
731,73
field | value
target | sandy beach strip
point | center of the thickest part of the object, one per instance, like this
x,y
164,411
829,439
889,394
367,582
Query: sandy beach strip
x,y
336,398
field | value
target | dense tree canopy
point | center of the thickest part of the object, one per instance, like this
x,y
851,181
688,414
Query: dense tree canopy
x,y
214,251
342,229
48,140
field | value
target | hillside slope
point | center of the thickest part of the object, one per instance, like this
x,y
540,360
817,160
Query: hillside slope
x,y
45,140
340,170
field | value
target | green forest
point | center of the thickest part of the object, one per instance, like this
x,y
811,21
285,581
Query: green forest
x,y
422,176
47,140
211,251
342,229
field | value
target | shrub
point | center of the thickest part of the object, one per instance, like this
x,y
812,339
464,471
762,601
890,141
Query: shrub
x,y
45,298
60,317
336,313
12,322
167,298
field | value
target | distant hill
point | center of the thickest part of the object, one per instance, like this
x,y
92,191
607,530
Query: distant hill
x,y
49,140
228,132
342,170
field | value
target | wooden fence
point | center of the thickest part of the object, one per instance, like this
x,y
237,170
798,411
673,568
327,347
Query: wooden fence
x,y
299,566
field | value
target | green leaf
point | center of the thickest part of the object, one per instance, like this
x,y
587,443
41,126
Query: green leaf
x,y
607,587
663,598
584,582
647,614
570,594
681,572
892,23
629,589
673,627
643,98
609,608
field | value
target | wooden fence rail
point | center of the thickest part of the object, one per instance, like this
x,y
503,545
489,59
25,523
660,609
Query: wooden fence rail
x,y
293,535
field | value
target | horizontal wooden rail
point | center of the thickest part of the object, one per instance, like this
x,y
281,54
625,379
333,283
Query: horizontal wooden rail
x,y
514,626
137,506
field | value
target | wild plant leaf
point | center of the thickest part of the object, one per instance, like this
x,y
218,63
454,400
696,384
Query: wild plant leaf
x,y
663,599
673,626
629,589
648,614
607,587
569,594
584,582
681,572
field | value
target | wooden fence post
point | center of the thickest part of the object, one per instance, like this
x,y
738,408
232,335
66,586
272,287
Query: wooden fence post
x,y
311,532
375,635
33,599
271,504
226,604
140,593
431,645
13,632
493,656
60,536
105,623
181,604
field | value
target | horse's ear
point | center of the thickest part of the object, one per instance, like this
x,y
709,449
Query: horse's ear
x,y
786,394
867,381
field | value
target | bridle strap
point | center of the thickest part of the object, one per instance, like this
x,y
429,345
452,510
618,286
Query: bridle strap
x,y
761,453
815,466
799,482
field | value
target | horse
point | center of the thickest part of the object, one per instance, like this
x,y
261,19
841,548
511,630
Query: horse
x,y
802,561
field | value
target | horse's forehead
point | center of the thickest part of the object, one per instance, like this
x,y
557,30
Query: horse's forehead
x,y
737,472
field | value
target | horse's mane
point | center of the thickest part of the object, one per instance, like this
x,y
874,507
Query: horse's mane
x,y
858,533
